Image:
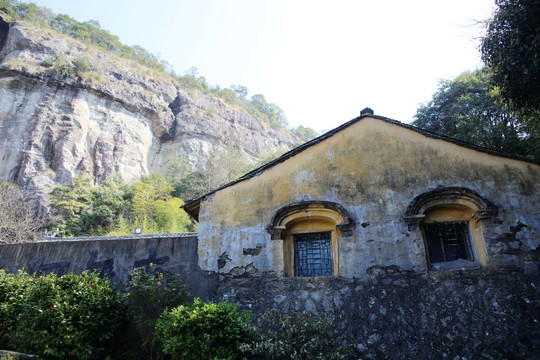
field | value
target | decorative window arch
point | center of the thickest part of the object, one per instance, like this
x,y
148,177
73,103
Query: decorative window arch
x,y
450,219
310,231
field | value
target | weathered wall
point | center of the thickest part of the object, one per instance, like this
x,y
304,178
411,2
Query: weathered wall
x,y
374,169
113,256
391,314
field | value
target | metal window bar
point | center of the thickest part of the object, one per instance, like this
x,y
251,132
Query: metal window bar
x,y
313,254
448,241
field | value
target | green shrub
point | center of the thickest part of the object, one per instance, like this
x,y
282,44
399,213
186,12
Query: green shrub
x,y
149,293
205,331
81,65
12,290
62,65
47,62
301,336
71,316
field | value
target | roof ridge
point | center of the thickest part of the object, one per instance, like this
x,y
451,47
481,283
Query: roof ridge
x,y
191,206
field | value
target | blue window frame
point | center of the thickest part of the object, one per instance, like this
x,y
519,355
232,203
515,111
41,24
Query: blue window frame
x,y
313,254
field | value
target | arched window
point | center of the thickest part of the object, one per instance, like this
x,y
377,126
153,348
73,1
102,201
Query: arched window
x,y
310,232
450,220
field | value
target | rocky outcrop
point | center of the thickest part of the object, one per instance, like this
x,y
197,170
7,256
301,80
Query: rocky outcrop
x,y
118,118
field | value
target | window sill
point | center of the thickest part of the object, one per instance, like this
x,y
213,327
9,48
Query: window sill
x,y
459,264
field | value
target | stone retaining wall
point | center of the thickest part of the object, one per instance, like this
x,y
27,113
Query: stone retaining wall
x,y
390,313
393,314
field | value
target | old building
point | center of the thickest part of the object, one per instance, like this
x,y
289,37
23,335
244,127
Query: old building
x,y
373,193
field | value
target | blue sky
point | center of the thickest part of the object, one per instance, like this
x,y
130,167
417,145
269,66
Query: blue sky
x,y
320,61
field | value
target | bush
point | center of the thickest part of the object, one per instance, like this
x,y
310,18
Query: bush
x,y
205,331
12,290
47,62
60,317
81,65
149,293
62,65
301,336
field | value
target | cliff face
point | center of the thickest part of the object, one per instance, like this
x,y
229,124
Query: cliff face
x,y
118,118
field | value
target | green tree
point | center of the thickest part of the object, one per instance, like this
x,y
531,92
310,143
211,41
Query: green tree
x,y
161,185
169,217
511,49
229,96
223,166
467,108
305,133
144,196
86,209
241,91
269,112
111,201
71,202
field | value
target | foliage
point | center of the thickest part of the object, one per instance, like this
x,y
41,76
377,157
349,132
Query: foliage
x,y
511,47
144,196
301,336
117,208
467,108
110,201
269,112
48,62
17,219
160,184
12,290
81,65
72,203
62,65
72,316
149,293
223,166
218,331
305,133
168,215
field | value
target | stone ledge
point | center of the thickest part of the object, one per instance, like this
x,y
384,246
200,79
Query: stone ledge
x,y
121,237
12,355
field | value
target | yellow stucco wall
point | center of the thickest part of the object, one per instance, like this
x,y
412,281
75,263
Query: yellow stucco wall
x,y
374,169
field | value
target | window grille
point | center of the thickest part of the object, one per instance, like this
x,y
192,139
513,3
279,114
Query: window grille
x,y
448,241
313,254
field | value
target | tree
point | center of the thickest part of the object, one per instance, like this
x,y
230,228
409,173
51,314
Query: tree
x,y
223,166
467,108
241,91
110,202
169,217
161,185
72,202
511,48
17,222
305,133
88,209
269,112
144,196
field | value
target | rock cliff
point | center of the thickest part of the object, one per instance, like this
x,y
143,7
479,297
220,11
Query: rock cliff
x,y
118,118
